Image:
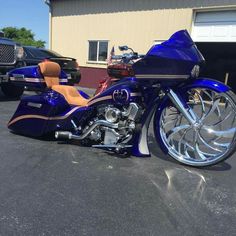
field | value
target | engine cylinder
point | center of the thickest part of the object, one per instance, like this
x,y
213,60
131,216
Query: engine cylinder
x,y
112,114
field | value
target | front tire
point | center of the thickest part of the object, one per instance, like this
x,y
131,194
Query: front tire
x,y
11,90
211,140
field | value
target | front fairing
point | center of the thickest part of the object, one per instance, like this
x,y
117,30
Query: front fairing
x,y
175,57
180,46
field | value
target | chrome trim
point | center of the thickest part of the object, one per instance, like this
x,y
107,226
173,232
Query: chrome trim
x,y
160,76
100,99
118,146
188,114
32,80
22,79
33,104
135,94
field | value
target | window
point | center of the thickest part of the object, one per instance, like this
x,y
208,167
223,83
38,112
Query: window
x,y
33,52
98,51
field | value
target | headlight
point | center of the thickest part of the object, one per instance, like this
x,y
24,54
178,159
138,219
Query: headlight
x,y
19,52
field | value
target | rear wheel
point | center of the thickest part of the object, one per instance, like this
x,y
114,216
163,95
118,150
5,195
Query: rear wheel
x,y
211,140
11,90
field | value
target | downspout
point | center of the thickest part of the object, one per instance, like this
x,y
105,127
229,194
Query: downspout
x,y
48,2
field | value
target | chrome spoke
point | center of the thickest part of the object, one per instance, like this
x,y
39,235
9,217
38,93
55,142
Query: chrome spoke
x,y
229,133
223,120
170,121
212,109
199,153
202,104
176,130
204,153
224,145
181,139
207,144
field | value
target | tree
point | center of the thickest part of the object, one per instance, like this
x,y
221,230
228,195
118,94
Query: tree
x,y
22,36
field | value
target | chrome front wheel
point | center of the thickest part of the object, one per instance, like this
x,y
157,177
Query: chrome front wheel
x,y
211,138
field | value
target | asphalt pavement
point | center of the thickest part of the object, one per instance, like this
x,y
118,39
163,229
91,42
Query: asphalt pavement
x,y
53,188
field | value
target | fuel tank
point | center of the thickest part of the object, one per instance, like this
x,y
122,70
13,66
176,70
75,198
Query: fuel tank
x,y
122,93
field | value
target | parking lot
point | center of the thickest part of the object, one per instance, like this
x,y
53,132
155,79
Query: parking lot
x,y
52,188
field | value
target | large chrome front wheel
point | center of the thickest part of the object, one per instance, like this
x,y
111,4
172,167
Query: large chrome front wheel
x,y
211,139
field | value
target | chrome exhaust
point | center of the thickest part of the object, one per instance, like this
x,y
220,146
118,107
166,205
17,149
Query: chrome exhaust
x,y
69,135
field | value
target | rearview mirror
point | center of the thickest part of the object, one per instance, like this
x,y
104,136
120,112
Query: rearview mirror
x,y
123,48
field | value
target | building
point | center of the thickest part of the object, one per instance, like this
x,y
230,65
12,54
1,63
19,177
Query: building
x,y
88,29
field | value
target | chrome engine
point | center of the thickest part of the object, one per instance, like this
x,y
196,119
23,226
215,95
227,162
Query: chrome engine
x,y
124,119
112,128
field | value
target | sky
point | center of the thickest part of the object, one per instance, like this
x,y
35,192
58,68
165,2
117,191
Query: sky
x,y
31,14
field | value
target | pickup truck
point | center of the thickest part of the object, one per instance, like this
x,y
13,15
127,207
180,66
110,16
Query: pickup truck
x,y
11,57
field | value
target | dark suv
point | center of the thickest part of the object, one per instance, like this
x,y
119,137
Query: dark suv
x,y
11,56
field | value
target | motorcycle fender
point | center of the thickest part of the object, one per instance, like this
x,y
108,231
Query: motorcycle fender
x,y
208,83
140,142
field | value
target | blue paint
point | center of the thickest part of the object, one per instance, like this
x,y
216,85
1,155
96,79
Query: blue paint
x,y
208,83
32,72
176,56
83,94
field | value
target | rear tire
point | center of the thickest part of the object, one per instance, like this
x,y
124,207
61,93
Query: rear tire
x,y
11,90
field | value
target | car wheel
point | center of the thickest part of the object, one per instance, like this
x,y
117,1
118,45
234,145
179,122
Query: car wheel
x,y
11,90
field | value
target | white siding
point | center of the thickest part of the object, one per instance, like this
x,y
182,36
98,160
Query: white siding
x,y
215,26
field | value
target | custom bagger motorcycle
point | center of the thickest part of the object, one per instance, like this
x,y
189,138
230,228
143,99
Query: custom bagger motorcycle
x,y
194,119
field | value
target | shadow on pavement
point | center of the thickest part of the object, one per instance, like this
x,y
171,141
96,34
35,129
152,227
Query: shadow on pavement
x,y
155,150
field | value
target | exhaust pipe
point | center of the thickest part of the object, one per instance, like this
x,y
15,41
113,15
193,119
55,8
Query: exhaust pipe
x,y
63,135
69,135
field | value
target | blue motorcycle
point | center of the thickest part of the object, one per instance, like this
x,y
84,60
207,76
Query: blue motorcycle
x,y
194,118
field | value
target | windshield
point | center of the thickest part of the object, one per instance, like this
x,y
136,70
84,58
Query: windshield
x,y
179,46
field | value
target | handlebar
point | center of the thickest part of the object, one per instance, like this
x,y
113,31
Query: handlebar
x,y
129,56
117,57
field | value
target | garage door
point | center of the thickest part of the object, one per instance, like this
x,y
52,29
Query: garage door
x,y
215,26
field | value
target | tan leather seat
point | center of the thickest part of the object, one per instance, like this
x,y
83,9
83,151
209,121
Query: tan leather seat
x,y
71,95
51,71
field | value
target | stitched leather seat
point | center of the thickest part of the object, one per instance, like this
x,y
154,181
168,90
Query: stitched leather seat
x,y
51,71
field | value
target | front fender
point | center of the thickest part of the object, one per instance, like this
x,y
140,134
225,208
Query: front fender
x,y
208,83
